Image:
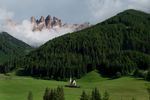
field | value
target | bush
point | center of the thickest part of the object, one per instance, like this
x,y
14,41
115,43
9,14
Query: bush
x,y
140,73
118,75
106,96
84,96
95,95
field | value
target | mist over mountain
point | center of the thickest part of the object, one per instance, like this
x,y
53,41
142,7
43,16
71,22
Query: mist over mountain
x,y
36,32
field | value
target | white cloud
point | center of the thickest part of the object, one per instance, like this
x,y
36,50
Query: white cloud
x,y
4,14
103,9
23,31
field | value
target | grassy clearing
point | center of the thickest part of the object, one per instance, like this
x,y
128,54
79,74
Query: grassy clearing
x,y
16,88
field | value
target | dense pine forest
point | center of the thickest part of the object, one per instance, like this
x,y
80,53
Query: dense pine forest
x,y
118,46
11,48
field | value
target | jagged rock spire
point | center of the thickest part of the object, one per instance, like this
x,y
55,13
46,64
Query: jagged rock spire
x,y
48,22
53,23
33,20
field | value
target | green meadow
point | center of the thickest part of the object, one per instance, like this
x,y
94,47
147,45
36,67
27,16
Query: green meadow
x,y
16,87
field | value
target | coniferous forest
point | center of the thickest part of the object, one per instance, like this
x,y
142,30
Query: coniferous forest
x,y
116,47
11,49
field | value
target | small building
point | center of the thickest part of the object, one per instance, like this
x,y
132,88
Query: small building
x,y
72,83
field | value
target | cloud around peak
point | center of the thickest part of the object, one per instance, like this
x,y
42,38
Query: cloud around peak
x,y
24,30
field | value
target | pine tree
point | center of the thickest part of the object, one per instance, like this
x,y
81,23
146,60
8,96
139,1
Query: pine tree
x,y
54,94
30,96
148,75
96,95
46,94
106,96
84,96
60,93
148,90
133,99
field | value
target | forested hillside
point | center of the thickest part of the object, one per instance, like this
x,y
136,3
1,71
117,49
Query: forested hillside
x,y
117,46
11,48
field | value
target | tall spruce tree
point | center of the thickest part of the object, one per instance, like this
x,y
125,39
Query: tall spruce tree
x,y
30,96
54,94
106,96
148,75
84,96
133,99
96,95
46,94
60,93
148,90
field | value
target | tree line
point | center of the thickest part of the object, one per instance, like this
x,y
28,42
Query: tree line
x,y
58,94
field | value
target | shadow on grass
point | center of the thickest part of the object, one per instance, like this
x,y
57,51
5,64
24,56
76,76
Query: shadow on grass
x,y
21,72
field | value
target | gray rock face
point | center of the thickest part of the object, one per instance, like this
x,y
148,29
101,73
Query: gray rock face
x,y
41,23
48,22
33,20
54,22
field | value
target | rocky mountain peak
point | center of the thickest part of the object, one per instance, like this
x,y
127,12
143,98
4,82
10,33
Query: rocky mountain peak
x,y
54,23
48,17
48,22
33,20
42,19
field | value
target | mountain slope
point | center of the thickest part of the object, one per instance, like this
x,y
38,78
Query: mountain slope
x,y
117,45
10,47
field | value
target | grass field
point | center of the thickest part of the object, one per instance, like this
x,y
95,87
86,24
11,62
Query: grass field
x,y
16,88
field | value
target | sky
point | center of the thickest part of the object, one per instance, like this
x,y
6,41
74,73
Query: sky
x,y
70,11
